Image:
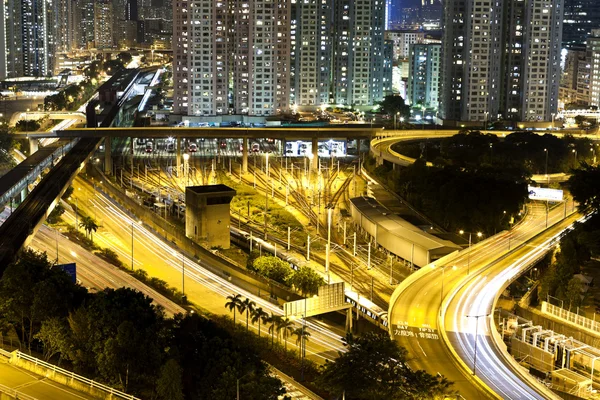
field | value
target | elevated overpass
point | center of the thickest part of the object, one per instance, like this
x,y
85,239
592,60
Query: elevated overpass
x,y
18,230
314,134
436,312
14,184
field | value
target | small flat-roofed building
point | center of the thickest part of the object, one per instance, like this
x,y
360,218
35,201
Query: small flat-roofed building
x,y
207,214
567,381
397,235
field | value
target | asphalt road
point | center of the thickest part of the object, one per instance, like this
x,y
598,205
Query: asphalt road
x,y
93,272
162,260
414,314
35,385
476,297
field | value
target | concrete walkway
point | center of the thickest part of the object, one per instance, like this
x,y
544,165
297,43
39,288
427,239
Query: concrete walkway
x,y
35,386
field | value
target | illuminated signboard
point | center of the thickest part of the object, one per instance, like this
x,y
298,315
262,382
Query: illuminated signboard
x,y
536,193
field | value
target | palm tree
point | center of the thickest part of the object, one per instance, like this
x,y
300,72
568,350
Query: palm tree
x,y
274,321
261,316
89,224
301,333
248,306
288,327
233,303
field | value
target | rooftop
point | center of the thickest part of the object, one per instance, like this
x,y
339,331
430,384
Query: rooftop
x,y
211,189
380,215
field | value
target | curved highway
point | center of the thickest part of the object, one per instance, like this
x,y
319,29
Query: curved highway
x,y
434,312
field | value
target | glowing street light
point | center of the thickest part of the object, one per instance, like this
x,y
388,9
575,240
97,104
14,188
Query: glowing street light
x,y
479,235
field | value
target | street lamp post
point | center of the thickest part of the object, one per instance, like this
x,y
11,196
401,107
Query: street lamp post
x,y
547,177
479,235
186,167
476,333
132,224
329,210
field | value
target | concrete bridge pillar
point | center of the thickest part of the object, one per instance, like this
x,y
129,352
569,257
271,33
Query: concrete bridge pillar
x,y
179,145
24,192
245,154
33,145
107,155
131,152
314,164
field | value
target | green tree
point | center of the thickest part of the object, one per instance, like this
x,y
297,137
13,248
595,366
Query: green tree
x,y
259,315
273,268
306,280
233,304
394,104
301,333
54,335
125,57
275,321
580,121
248,306
31,291
89,225
169,385
584,187
287,327
55,215
7,141
374,367
573,293
27,125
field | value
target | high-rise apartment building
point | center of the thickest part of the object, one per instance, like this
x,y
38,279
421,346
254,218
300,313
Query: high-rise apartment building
x,y
103,24
580,17
424,75
84,24
402,40
358,52
501,60
311,52
242,44
593,54
29,38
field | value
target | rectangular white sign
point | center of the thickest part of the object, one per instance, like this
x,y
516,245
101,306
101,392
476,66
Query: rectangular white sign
x,y
537,193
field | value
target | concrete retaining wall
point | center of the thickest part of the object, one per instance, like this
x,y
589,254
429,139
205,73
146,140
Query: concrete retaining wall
x,y
237,274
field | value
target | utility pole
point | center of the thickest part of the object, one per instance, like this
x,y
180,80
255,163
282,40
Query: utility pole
x,y
308,248
328,249
289,237
266,211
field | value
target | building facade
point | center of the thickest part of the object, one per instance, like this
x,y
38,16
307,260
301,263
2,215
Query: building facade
x,y
358,52
593,54
231,57
29,38
580,18
424,75
103,24
311,45
501,60
402,40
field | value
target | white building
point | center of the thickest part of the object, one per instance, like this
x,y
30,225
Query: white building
x,y
231,57
360,72
403,39
310,52
501,60
593,48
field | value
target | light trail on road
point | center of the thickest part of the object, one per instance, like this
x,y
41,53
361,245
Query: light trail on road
x,y
147,243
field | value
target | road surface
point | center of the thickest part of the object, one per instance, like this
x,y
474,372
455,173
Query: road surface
x,y
414,314
163,260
